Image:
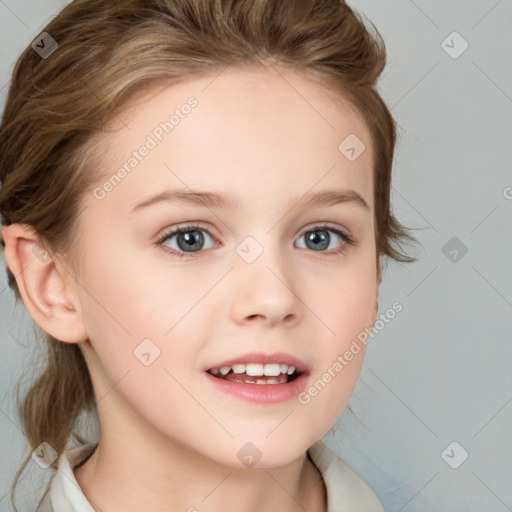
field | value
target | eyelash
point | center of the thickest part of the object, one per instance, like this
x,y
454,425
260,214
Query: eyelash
x,y
347,239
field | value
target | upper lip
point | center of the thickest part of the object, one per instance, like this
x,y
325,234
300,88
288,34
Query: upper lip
x,y
264,358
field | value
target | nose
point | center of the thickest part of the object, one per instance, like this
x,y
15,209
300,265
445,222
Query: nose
x,y
264,291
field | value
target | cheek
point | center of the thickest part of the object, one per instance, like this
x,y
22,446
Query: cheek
x,y
143,340
137,298
347,310
346,304
135,317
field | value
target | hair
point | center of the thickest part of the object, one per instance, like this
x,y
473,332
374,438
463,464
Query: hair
x,y
107,52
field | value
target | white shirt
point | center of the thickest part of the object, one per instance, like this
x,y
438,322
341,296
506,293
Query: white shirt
x,y
346,490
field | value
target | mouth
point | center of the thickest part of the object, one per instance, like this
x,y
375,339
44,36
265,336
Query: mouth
x,y
260,378
257,373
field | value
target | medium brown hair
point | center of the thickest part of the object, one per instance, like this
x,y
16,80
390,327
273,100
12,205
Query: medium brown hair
x,y
108,51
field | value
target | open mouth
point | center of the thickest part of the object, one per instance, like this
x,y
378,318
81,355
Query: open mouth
x,y
256,373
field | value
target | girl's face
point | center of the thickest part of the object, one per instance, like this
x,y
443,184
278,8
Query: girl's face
x,y
262,271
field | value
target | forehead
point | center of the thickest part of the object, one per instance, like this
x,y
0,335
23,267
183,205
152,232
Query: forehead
x,y
246,126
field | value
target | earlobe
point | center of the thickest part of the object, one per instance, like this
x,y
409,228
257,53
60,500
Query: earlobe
x,y
42,285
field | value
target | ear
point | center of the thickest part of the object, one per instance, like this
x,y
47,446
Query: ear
x,y
43,285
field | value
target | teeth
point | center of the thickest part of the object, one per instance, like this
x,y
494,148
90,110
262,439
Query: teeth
x,y
254,369
281,379
272,370
272,381
257,370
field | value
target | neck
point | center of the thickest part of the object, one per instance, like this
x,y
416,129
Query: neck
x,y
132,471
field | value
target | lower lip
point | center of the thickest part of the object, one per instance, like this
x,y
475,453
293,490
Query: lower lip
x,y
261,393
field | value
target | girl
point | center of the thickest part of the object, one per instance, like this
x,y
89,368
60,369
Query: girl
x,y
196,206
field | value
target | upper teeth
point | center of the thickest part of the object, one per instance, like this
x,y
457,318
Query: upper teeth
x,y
257,369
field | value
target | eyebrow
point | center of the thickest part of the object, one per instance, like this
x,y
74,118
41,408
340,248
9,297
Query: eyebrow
x,y
216,200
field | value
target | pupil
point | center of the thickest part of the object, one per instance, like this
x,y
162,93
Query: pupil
x,y
322,240
190,241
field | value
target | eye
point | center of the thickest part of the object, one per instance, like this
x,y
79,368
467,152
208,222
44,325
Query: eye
x,y
185,239
318,238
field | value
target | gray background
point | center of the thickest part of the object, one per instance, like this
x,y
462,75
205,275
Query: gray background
x,y
441,370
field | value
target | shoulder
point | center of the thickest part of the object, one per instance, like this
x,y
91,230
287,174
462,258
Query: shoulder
x,y
346,490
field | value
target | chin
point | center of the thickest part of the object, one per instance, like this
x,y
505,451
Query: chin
x,y
261,453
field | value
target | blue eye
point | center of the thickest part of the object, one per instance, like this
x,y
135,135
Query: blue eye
x,y
189,239
319,239
184,241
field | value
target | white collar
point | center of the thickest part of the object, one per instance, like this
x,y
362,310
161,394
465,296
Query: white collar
x,y
346,490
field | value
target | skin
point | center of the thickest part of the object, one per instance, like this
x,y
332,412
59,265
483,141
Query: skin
x,y
168,437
